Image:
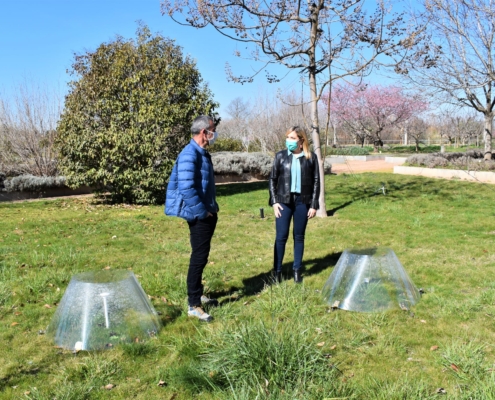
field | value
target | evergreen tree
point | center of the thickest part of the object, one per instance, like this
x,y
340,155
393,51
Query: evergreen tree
x,y
127,116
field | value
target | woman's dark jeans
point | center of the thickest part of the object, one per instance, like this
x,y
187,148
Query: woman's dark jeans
x,y
299,212
201,231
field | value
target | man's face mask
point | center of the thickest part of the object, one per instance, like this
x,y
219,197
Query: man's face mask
x,y
212,140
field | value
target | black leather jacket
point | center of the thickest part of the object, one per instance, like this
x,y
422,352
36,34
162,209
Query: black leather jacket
x,y
280,176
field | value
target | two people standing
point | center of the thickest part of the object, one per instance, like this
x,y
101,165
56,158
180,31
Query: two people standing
x,y
294,192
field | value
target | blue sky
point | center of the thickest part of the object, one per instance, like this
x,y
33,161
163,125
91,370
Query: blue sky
x,y
39,37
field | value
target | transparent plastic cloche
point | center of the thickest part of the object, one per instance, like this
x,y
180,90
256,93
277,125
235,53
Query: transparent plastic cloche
x,y
370,280
102,309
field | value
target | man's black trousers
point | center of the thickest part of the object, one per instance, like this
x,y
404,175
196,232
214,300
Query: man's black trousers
x,y
201,232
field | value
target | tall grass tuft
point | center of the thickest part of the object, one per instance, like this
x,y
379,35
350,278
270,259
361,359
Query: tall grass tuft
x,y
266,358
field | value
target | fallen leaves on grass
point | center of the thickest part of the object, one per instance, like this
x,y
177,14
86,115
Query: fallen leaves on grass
x,y
14,323
321,344
433,348
110,386
454,367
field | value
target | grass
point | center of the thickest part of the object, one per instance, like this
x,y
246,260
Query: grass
x,y
266,342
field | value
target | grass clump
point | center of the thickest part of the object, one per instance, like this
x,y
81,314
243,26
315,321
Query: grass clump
x,y
267,358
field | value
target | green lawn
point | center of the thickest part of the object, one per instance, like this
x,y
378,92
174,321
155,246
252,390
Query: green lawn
x,y
277,342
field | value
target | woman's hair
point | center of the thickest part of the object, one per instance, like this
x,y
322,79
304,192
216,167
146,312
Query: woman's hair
x,y
301,134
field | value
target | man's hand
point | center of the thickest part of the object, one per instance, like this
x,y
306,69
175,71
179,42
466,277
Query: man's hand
x,y
311,213
276,209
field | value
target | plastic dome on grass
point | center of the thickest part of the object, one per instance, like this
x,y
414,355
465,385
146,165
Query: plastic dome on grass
x,y
370,280
101,309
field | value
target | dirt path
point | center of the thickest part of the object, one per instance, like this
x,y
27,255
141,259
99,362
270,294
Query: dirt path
x,y
354,167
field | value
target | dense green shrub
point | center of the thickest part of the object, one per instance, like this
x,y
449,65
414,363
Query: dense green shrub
x,y
127,116
226,145
412,149
348,151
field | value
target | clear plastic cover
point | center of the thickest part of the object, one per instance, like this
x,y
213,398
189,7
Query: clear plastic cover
x,y
370,280
101,309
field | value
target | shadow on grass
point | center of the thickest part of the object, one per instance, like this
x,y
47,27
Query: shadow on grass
x,y
168,313
391,190
239,188
315,266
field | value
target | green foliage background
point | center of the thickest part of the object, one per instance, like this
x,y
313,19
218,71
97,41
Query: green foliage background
x,y
127,116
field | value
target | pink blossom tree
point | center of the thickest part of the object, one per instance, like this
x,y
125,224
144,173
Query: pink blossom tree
x,y
370,110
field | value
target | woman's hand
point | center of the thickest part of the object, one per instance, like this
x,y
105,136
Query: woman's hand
x,y
311,213
276,209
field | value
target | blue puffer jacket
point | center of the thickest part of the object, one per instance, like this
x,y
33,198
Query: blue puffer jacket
x,y
191,188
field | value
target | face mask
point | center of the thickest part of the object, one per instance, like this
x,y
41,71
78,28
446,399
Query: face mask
x,y
291,144
212,140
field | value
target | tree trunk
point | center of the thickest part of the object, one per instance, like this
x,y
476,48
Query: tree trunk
x,y
315,131
488,135
315,135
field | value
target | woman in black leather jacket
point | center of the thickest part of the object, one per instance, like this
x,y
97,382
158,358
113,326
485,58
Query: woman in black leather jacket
x,y
294,192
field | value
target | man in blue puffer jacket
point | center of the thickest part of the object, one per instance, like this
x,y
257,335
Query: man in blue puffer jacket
x,y
191,195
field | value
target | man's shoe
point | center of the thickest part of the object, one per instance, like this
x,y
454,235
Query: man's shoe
x,y
198,312
206,301
297,276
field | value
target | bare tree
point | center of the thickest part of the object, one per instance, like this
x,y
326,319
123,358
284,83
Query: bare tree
x,y
460,63
325,40
416,130
237,126
467,127
28,122
264,122
238,109
457,126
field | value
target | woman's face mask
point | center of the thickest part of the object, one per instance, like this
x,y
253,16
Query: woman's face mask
x,y
291,144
